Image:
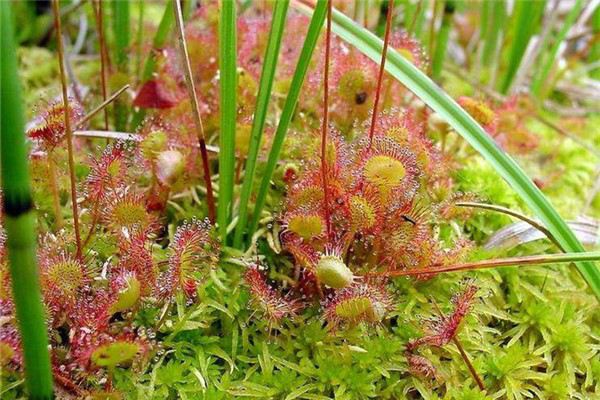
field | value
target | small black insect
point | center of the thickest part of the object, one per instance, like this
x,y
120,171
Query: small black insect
x,y
360,98
408,219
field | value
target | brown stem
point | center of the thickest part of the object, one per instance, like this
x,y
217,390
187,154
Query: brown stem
x,y
386,40
467,361
69,133
414,21
100,107
512,213
462,352
55,195
103,56
325,126
195,109
496,263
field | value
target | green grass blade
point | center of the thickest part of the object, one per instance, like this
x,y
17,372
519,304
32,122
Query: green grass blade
x,y
19,218
526,20
287,113
465,125
260,113
122,32
160,38
540,80
594,55
228,79
442,40
495,21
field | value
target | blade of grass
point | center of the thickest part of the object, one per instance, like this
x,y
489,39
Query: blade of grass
x,y
19,218
189,80
160,38
594,55
526,21
260,113
121,31
495,22
540,80
139,39
228,110
287,113
442,40
473,133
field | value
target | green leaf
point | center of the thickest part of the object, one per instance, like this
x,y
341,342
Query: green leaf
x,y
465,125
527,19
287,113
260,114
540,80
228,79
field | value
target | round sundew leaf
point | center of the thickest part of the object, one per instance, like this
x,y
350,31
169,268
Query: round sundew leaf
x,y
128,296
332,272
116,353
354,308
306,226
384,171
6,353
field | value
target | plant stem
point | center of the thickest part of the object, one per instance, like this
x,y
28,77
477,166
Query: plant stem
x,y
386,40
512,213
325,126
139,37
543,259
442,40
19,219
228,111
68,131
121,30
100,107
462,351
526,14
189,79
469,364
262,102
103,54
540,86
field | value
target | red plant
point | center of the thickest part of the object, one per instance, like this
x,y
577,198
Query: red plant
x,y
274,305
48,127
193,251
366,302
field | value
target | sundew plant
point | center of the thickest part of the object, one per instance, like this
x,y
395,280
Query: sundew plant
x,y
300,199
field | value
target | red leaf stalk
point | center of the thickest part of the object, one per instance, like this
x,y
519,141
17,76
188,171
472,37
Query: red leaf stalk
x,y
326,121
386,40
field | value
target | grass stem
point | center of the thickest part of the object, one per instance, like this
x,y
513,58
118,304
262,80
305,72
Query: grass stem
x,y
228,111
19,219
